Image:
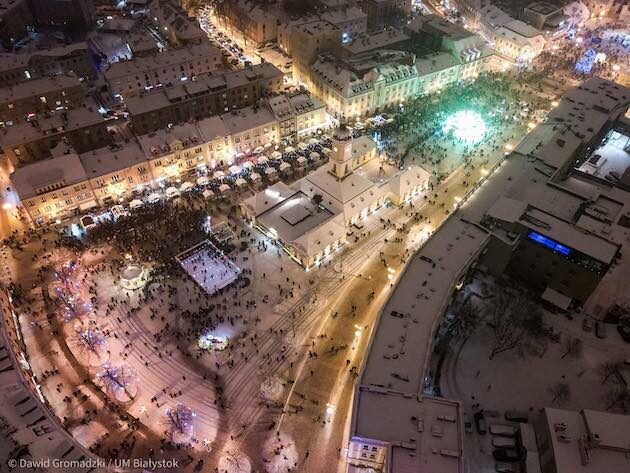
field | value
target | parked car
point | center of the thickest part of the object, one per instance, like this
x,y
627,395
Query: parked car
x,y
517,416
600,329
503,442
503,430
480,423
467,423
624,331
504,468
587,324
508,455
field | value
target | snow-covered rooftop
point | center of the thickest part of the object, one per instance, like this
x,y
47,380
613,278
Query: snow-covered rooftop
x,y
110,159
405,328
35,178
424,433
612,429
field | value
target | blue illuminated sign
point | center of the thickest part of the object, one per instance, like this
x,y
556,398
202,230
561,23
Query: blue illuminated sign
x,y
549,243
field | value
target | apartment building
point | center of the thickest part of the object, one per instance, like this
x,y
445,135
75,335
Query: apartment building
x,y
207,96
458,54
366,87
173,66
218,142
15,20
251,128
74,59
389,38
587,441
351,20
174,23
544,15
256,22
39,96
380,11
74,14
116,171
174,152
305,41
82,128
513,39
517,41
113,172
309,113
53,189
380,70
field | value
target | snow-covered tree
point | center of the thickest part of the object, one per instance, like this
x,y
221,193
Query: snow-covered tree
x,y
92,343
121,381
180,421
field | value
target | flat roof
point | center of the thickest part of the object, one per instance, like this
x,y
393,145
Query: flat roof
x,y
568,234
507,209
611,430
295,216
262,201
424,433
615,428
402,338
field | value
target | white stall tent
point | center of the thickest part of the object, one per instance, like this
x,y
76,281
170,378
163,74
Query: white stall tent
x,y
171,192
186,186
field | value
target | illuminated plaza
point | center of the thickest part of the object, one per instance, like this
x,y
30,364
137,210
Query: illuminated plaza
x,y
314,236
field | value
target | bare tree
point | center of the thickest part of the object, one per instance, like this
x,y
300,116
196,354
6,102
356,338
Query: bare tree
x,y
514,321
561,393
180,419
609,369
91,341
466,321
116,379
572,347
617,396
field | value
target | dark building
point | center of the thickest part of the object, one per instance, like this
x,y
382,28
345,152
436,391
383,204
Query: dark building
x,y
71,14
15,19
212,95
